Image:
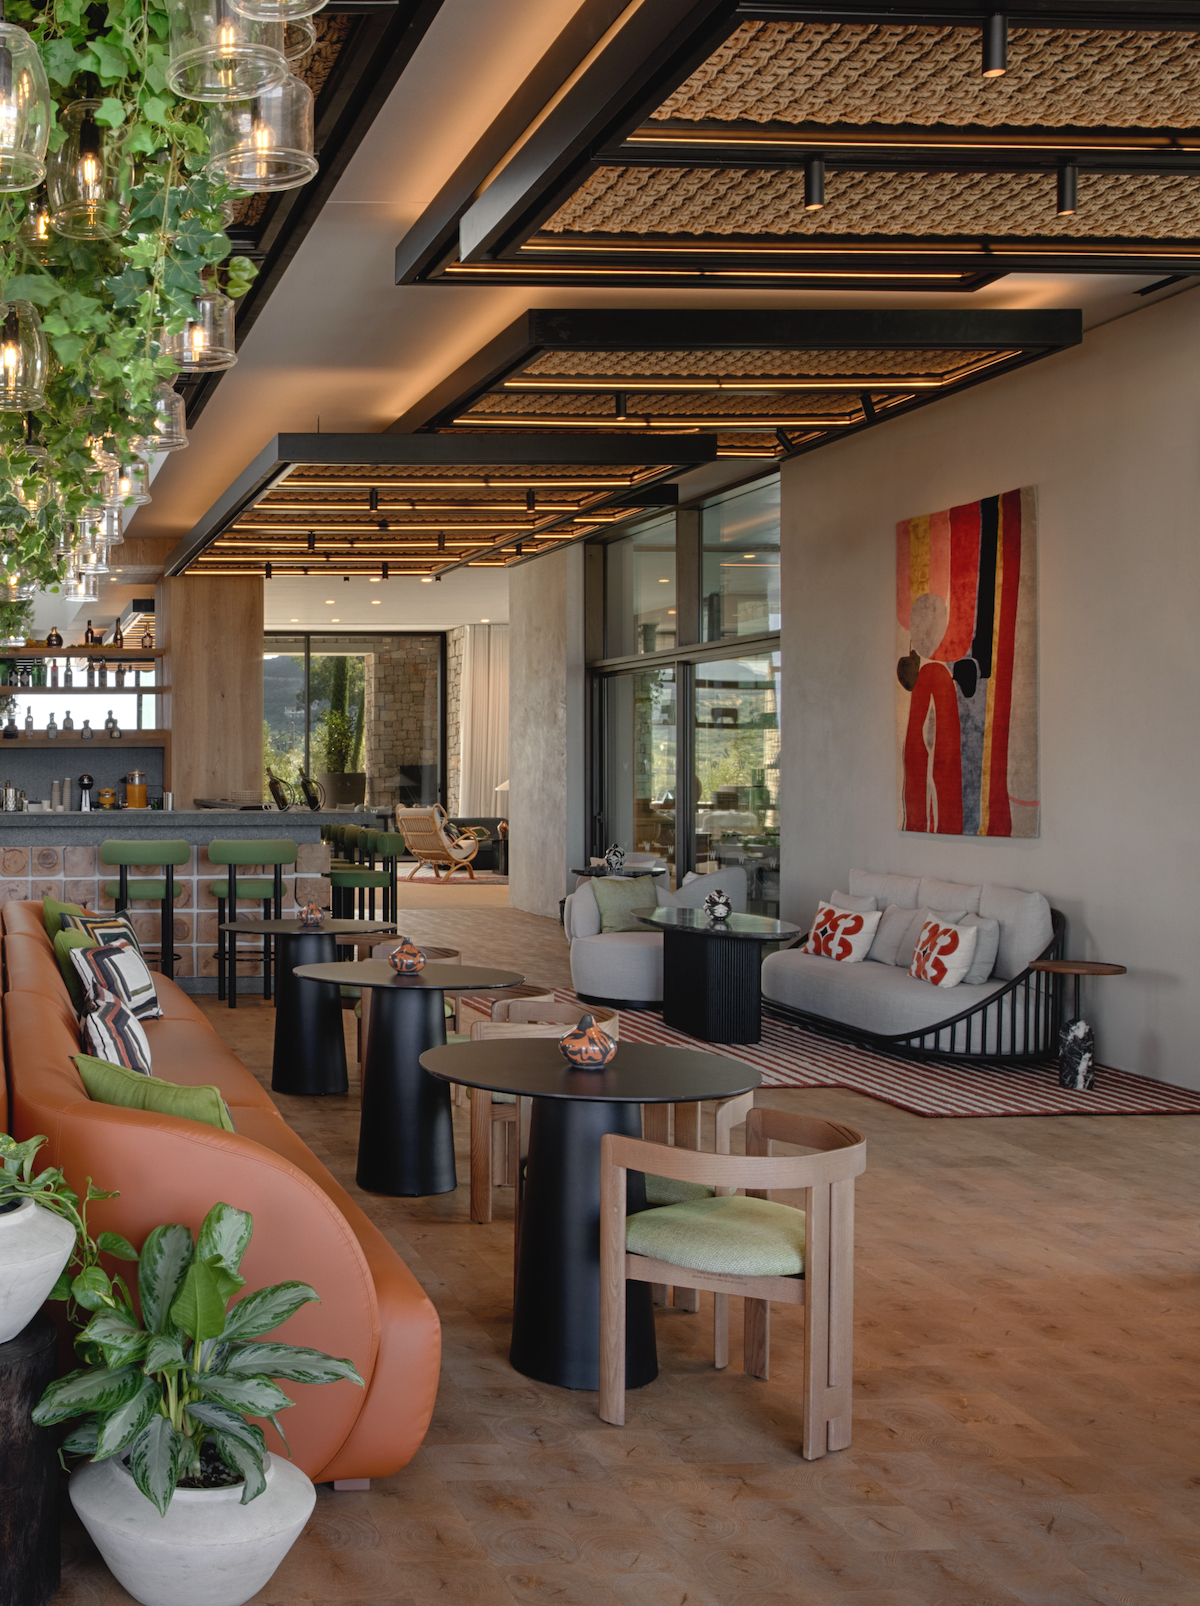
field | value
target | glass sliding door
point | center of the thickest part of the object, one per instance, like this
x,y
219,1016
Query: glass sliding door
x,y
736,752
638,762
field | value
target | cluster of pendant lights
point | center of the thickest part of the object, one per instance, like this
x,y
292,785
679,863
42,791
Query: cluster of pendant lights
x,y
994,65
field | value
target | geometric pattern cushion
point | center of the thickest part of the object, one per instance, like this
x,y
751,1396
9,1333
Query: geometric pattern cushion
x,y
739,1236
119,969
842,933
944,952
672,1191
113,1033
103,928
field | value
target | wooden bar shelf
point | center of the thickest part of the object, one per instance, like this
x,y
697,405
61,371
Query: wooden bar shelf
x,y
127,738
83,691
115,654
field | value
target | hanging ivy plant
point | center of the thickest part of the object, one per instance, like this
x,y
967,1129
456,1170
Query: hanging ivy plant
x,y
104,304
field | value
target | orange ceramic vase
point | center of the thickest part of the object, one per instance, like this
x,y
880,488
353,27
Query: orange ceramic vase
x,y
587,1046
407,958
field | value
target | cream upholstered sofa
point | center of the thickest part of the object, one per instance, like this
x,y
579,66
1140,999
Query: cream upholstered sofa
x,y
1015,1013
626,967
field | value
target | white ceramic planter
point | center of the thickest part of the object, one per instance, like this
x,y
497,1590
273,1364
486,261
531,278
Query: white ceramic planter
x,y
35,1245
209,1549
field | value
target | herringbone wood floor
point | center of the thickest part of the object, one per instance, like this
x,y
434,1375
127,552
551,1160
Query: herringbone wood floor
x,y
1026,1359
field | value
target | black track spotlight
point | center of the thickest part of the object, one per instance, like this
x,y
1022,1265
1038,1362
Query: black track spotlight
x,y
374,498
312,541
1068,190
345,579
383,571
267,572
814,184
995,45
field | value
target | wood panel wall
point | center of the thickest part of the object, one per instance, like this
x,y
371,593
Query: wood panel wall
x,y
212,632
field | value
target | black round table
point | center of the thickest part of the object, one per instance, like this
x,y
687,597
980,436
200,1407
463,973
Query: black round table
x,y
556,1306
406,1132
712,971
310,1048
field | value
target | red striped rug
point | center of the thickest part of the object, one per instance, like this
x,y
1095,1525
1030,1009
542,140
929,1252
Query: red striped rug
x,y
788,1056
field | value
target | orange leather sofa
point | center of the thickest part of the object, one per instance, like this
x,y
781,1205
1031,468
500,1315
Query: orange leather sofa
x,y
306,1227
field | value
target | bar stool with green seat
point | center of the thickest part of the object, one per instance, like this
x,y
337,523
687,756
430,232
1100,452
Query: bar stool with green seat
x,y
275,851
345,879
161,890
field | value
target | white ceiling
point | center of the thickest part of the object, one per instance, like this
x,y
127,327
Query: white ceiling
x,y
339,347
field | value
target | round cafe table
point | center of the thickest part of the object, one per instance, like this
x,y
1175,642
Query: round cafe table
x,y
310,1046
712,971
406,1132
556,1305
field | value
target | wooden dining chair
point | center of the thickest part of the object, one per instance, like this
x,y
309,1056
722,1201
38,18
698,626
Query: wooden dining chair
x,y
746,1245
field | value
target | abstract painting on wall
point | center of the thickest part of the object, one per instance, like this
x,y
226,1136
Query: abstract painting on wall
x,y
967,675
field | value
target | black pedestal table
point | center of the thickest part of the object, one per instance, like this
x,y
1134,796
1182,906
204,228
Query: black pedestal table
x,y
29,1516
556,1307
310,1047
406,1135
712,981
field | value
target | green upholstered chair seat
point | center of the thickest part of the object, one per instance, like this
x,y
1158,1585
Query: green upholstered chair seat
x,y
733,1235
671,1191
246,886
142,891
360,878
250,850
147,851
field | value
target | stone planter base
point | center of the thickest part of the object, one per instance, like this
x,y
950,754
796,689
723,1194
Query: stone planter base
x,y
35,1245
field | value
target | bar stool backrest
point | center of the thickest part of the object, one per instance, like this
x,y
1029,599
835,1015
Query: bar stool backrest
x,y
243,850
147,851
390,844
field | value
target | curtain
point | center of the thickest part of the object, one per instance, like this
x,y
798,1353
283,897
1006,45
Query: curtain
x,y
484,705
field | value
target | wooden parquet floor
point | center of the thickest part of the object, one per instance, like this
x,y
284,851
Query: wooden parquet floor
x,y
1026,1357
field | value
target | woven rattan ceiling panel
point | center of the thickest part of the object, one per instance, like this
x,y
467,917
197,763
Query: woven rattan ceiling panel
x,y
770,202
616,366
856,74
472,476
724,404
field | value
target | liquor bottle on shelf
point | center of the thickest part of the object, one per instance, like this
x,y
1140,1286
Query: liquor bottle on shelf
x,y
10,732
39,673
68,723
120,675
147,639
68,676
54,639
26,677
87,732
29,720
54,673
91,673
111,727
102,673
89,635
51,727
118,639
14,676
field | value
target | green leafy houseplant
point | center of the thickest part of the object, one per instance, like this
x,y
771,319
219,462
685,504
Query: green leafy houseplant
x,y
83,1282
191,1372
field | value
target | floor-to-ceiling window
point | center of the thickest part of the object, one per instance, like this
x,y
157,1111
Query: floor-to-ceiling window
x,y
638,745
735,712
640,613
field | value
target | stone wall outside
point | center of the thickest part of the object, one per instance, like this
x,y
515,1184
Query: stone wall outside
x,y
401,712
455,642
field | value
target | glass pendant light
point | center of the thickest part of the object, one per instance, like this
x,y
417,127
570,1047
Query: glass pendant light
x,y
168,433
205,343
64,540
91,559
35,225
20,590
219,54
112,531
88,177
81,587
299,40
265,143
24,358
131,485
24,109
278,10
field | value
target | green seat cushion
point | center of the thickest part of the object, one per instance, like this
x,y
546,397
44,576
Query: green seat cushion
x,y
64,941
52,911
618,896
671,1191
246,886
360,878
735,1235
113,1084
142,891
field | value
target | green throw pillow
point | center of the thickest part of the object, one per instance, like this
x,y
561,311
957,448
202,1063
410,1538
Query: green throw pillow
x,y
618,896
52,910
113,1084
64,941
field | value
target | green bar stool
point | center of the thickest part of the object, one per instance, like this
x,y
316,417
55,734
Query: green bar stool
x,y
160,890
275,851
366,880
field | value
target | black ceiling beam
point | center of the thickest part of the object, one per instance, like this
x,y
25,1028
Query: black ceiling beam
x,y
670,453
1115,14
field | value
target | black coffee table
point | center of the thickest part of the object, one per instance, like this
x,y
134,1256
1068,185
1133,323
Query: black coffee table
x,y
310,1048
712,983
556,1307
406,1133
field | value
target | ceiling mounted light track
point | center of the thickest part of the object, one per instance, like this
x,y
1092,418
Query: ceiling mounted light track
x,y
995,45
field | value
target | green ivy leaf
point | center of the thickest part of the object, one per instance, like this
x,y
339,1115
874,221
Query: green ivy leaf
x,y
91,1288
112,1243
110,113
63,62
112,63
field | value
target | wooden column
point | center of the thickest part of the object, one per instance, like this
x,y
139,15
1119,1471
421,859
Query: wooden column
x,y
212,633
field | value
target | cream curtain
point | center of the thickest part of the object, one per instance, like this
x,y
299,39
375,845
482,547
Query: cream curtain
x,y
484,705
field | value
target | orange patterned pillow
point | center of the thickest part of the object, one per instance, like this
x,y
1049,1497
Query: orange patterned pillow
x,y
842,933
943,953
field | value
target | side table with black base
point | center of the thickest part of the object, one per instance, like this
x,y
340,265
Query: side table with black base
x,y
29,1516
712,971
310,1047
556,1306
406,1134
1076,1040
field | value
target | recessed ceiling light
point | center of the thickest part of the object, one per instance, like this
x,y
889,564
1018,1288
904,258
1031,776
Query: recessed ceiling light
x,y
330,603
670,611
485,621
373,580
335,621
663,581
293,621
426,579
377,602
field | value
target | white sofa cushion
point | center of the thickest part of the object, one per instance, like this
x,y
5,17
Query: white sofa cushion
x,y
850,900
877,998
885,889
621,965
893,925
986,947
1026,926
941,896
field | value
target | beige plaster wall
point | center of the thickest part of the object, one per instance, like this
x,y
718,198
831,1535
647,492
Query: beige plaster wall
x,y
1109,433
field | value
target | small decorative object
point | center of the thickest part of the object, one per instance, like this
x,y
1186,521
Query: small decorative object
x,y
54,639
11,733
29,720
1076,1056
718,905
586,1045
407,958
614,858
309,914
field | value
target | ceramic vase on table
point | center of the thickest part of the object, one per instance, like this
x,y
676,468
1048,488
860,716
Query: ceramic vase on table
x,y
614,858
209,1549
407,958
35,1245
718,905
586,1045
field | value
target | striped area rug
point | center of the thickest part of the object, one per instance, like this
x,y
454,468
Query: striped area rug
x,y
788,1056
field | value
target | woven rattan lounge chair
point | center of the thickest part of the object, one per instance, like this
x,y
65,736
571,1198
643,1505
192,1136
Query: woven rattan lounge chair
x,y
428,838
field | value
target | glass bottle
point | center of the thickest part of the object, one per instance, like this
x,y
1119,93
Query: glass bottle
x,y
147,639
26,676
51,727
54,639
29,720
68,674
39,673
87,732
118,639
91,673
120,676
102,673
11,733
89,635
54,672
68,723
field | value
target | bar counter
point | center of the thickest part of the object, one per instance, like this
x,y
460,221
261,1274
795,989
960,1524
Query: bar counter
x,y
55,854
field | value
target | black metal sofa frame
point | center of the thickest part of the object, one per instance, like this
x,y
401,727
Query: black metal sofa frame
x,y
1034,997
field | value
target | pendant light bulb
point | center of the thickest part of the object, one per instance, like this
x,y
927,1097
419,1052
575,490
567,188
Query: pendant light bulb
x,y
995,45
24,109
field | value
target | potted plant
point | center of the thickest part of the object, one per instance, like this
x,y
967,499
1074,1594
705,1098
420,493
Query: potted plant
x,y
43,1228
179,1492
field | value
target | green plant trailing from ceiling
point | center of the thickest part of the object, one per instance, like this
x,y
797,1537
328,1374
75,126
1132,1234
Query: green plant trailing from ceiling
x,y
104,303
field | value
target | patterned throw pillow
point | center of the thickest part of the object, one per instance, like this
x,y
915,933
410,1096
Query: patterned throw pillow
x,y
119,969
842,933
115,1034
103,928
943,953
